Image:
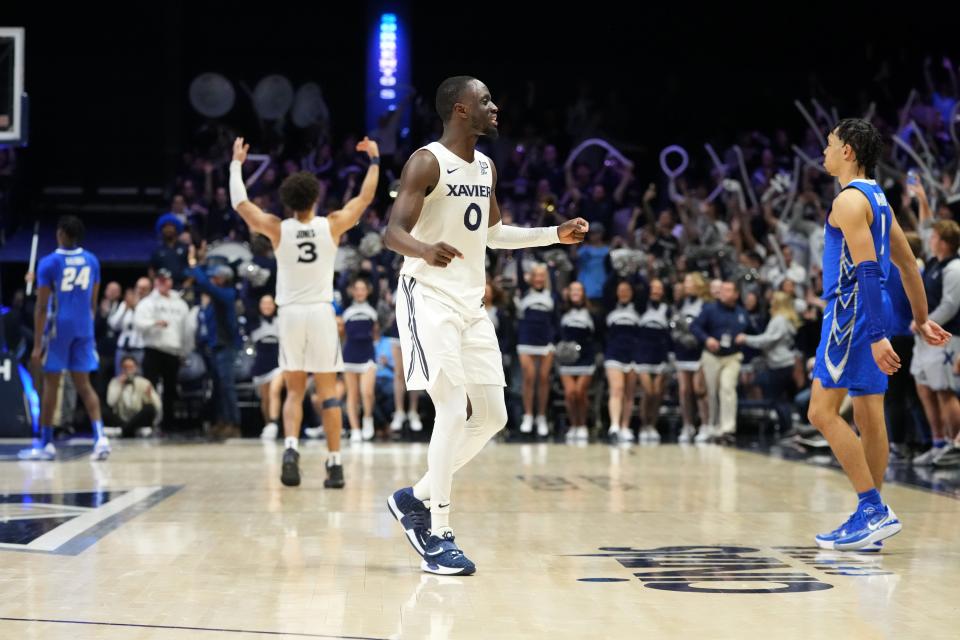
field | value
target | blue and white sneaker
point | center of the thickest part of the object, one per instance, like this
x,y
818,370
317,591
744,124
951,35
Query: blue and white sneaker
x,y
36,452
827,540
869,526
444,558
101,449
413,516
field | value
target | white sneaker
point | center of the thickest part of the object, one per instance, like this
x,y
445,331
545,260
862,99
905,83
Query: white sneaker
x,y
368,431
626,435
613,433
397,423
355,435
543,429
48,452
926,459
101,450
313,432
270,431
687,434
415,425
649,434
526,425
583,435
144,432
948,456
707,433
113,432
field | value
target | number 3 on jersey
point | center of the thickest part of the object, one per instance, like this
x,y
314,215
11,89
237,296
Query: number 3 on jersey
x,y
73,279
468,221
308,252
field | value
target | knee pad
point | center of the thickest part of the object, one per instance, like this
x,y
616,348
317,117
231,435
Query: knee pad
x,y
330,403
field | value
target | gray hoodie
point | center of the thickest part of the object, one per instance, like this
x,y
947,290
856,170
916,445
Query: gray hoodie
x,y
776,342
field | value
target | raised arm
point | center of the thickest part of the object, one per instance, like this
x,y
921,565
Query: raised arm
x,y
256,218
343,220
419,178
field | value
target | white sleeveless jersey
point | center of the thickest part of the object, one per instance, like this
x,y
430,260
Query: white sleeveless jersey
x,y
305,262
457,212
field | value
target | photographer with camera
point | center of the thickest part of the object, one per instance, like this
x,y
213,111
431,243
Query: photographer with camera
x,y
131,400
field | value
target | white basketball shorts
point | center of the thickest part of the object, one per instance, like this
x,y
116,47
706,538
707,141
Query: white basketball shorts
x,y
437,334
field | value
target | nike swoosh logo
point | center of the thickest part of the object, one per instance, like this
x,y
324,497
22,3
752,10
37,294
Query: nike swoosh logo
x,y
443,506
449,171
874,527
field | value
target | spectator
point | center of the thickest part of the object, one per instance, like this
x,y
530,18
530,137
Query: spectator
x,y
131,400
931,366
593,264
130,338
223,339
776,343
105,334
267,376
171,254
900,401
716,327
162,319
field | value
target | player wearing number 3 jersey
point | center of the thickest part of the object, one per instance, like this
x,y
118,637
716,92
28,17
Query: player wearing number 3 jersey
x,y
305,246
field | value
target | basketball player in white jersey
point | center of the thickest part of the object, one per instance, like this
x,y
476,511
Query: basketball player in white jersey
x,y
444,218
305,246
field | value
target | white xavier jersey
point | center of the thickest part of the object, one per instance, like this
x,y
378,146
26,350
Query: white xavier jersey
x,y
457,212
305,262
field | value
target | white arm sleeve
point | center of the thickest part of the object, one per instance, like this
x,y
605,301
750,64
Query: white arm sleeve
x,y
238,192
501,236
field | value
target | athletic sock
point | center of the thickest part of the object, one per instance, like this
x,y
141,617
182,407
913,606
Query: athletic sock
x,y
869,498
291,443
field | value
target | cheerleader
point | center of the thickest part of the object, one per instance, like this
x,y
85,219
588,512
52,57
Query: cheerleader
x,y
267,376
360,328
691,386
653,347
623,328
400,387
537,320
576,325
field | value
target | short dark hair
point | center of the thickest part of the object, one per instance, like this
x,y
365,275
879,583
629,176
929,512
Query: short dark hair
x,y
300,191
72,227
448,94
125,358
865,141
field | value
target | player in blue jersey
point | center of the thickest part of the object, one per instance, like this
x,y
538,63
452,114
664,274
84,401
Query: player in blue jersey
x,y
862,237
68,281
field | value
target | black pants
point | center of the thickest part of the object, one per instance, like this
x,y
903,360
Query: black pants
x,y
159,366
143,418
778,388
901,397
